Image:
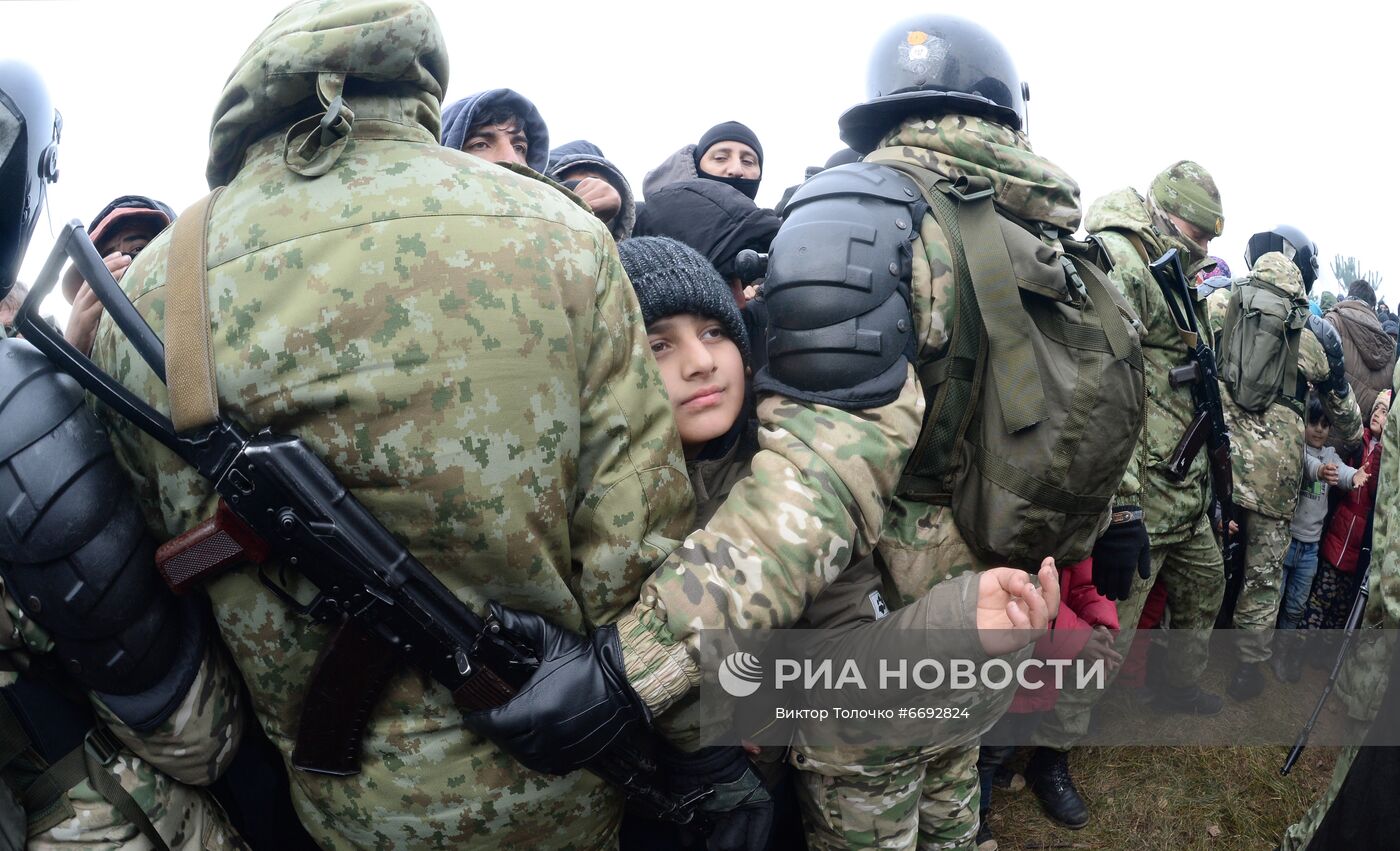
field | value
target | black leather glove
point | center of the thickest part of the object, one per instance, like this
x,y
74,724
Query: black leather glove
x,y
1122,549
575,704
1336,360
736,803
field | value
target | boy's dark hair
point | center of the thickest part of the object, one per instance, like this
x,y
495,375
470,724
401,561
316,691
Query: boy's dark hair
x,y
1361,290
500,113
1317,413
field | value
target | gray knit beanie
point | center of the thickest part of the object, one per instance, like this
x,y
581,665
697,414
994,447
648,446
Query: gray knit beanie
x,y
671,278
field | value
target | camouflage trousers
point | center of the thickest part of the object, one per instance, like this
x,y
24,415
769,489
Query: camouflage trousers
x,y
1195,576
1265,543
929,806
1300,833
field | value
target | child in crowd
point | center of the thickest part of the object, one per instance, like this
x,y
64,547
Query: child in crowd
x,y
1085,628
1337,576
1322,468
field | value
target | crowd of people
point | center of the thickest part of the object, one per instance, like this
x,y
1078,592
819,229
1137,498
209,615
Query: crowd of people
x,y
928,389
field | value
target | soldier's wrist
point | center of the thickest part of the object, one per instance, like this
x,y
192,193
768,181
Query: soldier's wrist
x,y
659,671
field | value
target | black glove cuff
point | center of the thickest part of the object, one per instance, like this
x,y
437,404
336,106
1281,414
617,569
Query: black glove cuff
x,y
717,764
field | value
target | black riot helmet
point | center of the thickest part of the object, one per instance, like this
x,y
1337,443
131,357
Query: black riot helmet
x,y
932,65
29,128
1291,243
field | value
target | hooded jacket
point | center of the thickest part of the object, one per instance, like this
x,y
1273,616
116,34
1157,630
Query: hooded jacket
x,y
385,299
1369,350
459,118
580,153
716,220
675,168
1124,223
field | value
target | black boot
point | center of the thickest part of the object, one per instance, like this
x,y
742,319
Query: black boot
x,y
1247,681
1287,660
1188,700
1047,775
986,840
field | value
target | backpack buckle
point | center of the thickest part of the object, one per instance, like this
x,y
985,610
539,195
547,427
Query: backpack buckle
x,y
104,747
968,187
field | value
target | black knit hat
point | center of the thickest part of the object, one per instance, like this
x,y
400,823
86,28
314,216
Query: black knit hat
x,y
729,131
672,278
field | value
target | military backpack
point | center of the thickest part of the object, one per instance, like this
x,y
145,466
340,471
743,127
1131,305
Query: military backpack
x,y
1034,411
1259,345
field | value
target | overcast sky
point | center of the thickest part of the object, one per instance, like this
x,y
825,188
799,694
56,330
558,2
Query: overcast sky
x,y
1291,107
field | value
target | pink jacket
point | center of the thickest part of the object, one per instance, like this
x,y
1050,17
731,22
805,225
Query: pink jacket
x,y
1082,608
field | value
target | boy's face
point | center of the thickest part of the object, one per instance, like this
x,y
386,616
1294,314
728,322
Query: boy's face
x,y
704,376
498,143
1317,433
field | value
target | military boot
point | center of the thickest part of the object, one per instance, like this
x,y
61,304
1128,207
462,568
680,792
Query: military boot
x,y
1188,700
1247,681
1047,775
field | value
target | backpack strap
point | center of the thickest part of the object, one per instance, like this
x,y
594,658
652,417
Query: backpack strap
x,y
189,362
45,799
966,211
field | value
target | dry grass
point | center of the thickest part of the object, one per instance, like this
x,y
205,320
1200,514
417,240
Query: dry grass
x,y
1214,798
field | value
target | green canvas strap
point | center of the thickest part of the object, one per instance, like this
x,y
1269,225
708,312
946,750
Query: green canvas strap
x,y
45,798
1101,294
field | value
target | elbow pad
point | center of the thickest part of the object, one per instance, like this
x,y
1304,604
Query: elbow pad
x,y
841,331
74,549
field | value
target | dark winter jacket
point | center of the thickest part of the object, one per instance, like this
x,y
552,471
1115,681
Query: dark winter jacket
x,y
580,154
1341,543
716,220
459,118
1369,351
675,168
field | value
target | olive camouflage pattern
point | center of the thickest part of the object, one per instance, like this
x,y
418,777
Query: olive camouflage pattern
x,y
820,497
931,806
1185,552
188,748
1266,451
1186,190
460,344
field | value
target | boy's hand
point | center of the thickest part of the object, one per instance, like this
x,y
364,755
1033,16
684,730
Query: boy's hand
x,y
1329,474
1360,479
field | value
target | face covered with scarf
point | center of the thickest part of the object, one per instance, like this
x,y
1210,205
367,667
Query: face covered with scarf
x,y
730,153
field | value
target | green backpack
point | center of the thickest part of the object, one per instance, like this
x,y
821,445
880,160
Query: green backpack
x,y
1034,412
1259,345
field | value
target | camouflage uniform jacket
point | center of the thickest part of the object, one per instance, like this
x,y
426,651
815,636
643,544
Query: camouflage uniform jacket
x,y
160,769
1170,509
820,494
461,346
1267,448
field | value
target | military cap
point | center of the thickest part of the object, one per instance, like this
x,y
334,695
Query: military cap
x,y
1187,191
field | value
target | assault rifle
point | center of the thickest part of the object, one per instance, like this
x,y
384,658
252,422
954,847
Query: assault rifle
x,y
386,607
1208,429
1358,610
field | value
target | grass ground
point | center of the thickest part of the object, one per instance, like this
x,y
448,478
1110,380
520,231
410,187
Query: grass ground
x,y
1216,798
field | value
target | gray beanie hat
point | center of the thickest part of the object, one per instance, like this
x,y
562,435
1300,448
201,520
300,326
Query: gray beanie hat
x,y
671,278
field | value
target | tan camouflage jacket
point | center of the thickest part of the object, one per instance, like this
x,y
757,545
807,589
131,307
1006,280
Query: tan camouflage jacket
x,y
1170,509
161,769
819,497
1267,448
460,345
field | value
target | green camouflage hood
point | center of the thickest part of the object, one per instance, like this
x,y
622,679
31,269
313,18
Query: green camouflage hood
x,y
1274,268
386,56
1027,186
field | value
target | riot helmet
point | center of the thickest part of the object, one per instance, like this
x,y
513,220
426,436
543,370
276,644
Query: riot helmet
x,y
29,129
932,65
1291,243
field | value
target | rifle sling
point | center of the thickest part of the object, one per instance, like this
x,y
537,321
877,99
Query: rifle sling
x,y
189,362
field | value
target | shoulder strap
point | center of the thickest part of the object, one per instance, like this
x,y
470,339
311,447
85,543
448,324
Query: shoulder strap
x,y
965,210
45,799
189,361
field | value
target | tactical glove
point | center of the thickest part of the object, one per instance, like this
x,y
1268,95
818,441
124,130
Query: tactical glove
x,y
1122,549
1336,361
574,706
736,804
